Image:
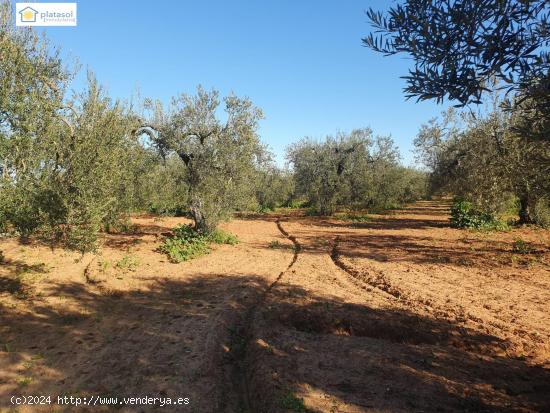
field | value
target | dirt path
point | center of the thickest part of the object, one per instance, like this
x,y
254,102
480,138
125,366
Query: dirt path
x,y
400,313
244,334
406,314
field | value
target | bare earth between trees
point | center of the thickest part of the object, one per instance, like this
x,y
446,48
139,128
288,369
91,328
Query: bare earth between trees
x,y
399,313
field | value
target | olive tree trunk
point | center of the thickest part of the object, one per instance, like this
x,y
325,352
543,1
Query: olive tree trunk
x,y
524,210
199,219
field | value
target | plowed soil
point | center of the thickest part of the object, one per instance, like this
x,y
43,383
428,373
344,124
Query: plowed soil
x,y
397,314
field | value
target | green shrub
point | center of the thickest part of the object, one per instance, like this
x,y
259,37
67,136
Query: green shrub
x,y
221,237
127,262
186,243
464,215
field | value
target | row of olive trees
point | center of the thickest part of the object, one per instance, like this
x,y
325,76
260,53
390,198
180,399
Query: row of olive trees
x,y
487,160
274,186
74,164
355,170
470,49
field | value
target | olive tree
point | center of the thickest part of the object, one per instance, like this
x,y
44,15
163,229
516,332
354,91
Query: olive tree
x,y
93,168
322,170
32,83
220,156
78,176
355,170
161,185
67,164
461,50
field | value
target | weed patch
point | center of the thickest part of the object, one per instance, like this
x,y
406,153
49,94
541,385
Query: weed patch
x,y
522,247
186,243
104,265
222,237
128,262
274,244
24,381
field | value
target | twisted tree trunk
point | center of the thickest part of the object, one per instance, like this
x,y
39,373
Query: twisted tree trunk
x,y
199,219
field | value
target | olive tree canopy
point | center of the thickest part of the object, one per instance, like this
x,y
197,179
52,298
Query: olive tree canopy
x,y
460,46
219,156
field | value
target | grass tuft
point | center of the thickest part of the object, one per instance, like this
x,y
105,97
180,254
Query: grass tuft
x,y
275,244
127,262
522,247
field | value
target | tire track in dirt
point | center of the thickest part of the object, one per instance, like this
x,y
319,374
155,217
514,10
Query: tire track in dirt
x,y
381,284
243,335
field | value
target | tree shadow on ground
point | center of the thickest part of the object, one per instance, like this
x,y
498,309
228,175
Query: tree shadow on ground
x,y
10,285
385,359
378,222
12,274
423,215
431,250
178,338
164,340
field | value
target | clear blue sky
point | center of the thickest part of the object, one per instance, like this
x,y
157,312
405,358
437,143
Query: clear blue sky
x,y
302,62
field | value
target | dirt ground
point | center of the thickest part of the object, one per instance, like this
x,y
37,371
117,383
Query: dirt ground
x,y
397,314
